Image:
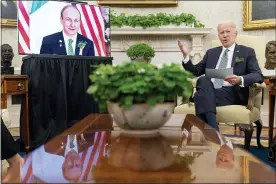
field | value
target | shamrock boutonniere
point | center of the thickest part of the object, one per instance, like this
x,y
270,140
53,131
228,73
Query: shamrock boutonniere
x,y
81,45
238,59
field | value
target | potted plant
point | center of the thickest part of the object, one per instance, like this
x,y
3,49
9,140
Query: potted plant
x,y
139,95
140,52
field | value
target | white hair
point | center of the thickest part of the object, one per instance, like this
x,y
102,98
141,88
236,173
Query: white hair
x,y
228,22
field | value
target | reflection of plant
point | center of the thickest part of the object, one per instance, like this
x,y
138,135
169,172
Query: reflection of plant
x,y
140,50
188,158
178,172
153,20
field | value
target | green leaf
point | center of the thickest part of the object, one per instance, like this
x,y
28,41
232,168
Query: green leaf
x,y
168,83
92,89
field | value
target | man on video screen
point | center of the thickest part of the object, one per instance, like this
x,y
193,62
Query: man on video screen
x,y
68,41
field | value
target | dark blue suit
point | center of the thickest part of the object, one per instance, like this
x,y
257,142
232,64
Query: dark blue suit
x,y
55,44
207,98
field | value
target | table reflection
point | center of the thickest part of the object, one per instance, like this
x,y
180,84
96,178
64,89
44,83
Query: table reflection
x,y
65,159
142,159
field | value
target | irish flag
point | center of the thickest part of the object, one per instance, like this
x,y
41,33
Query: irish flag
x,y
36,5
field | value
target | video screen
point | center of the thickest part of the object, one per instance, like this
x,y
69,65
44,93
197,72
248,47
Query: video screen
x,y
63,28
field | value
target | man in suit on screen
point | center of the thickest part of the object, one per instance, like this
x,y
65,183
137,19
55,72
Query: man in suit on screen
x,y
68,41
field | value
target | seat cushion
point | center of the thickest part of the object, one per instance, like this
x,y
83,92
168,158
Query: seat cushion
x,y
226,114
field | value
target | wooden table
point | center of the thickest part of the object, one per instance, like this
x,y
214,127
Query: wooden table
x,y
108,158
272,92
16,85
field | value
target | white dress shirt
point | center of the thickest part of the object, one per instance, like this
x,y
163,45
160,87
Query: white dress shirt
x,y
228,141
67,148
229,62
66,40
48,166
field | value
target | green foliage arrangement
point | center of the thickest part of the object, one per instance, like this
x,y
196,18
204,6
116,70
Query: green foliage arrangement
x,y
138,82
140,50
153,20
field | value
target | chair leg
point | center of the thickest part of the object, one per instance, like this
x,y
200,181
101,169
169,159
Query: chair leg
x,y
235,127
248,131
258,133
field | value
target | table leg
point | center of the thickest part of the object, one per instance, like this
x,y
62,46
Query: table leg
x,y
3,101
271,116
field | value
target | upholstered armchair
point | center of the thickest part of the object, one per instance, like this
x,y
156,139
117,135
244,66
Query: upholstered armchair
x,y
242,116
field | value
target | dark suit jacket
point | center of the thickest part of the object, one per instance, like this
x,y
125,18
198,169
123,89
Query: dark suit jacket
x,y
51,45
55,146
249,68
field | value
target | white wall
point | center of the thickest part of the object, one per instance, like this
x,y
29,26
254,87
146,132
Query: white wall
x,y
209,13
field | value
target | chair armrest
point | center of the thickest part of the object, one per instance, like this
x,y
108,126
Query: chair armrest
x,y
193,81
259,86
255,96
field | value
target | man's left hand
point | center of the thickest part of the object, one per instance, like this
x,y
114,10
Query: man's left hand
x,y
233,79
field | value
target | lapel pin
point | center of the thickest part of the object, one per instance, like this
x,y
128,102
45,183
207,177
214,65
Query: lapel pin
x,y
237,51
60,45
60,41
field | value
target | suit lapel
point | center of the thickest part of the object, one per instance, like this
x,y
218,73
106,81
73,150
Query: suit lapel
x,y
216,57
61,44
236,51
77,49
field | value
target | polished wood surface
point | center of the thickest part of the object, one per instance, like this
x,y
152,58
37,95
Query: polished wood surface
x,y
114,152
272,93
17,85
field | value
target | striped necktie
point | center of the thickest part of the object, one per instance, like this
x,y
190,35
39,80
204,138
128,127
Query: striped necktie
x,y
70,47
71,138
218,83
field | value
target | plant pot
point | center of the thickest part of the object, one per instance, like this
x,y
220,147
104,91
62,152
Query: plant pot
x,y
141,116
140,59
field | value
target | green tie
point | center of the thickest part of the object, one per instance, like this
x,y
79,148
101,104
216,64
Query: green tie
x,y
71,138
70,47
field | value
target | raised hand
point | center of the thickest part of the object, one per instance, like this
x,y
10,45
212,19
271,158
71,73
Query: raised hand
x,y
183,48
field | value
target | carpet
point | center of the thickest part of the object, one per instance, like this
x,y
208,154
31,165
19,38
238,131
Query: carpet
x,y
262,154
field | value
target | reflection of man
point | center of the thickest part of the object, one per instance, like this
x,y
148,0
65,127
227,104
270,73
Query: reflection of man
x,y
234,89
68,41
59,160
225,155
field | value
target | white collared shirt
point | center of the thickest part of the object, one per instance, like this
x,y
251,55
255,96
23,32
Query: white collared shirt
x,y
230,54
66,40
67,148
228,141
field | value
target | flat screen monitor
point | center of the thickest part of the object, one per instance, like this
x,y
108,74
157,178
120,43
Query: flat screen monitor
x,y
63,28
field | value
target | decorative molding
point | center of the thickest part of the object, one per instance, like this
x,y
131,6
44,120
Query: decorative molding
x,y
162,39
